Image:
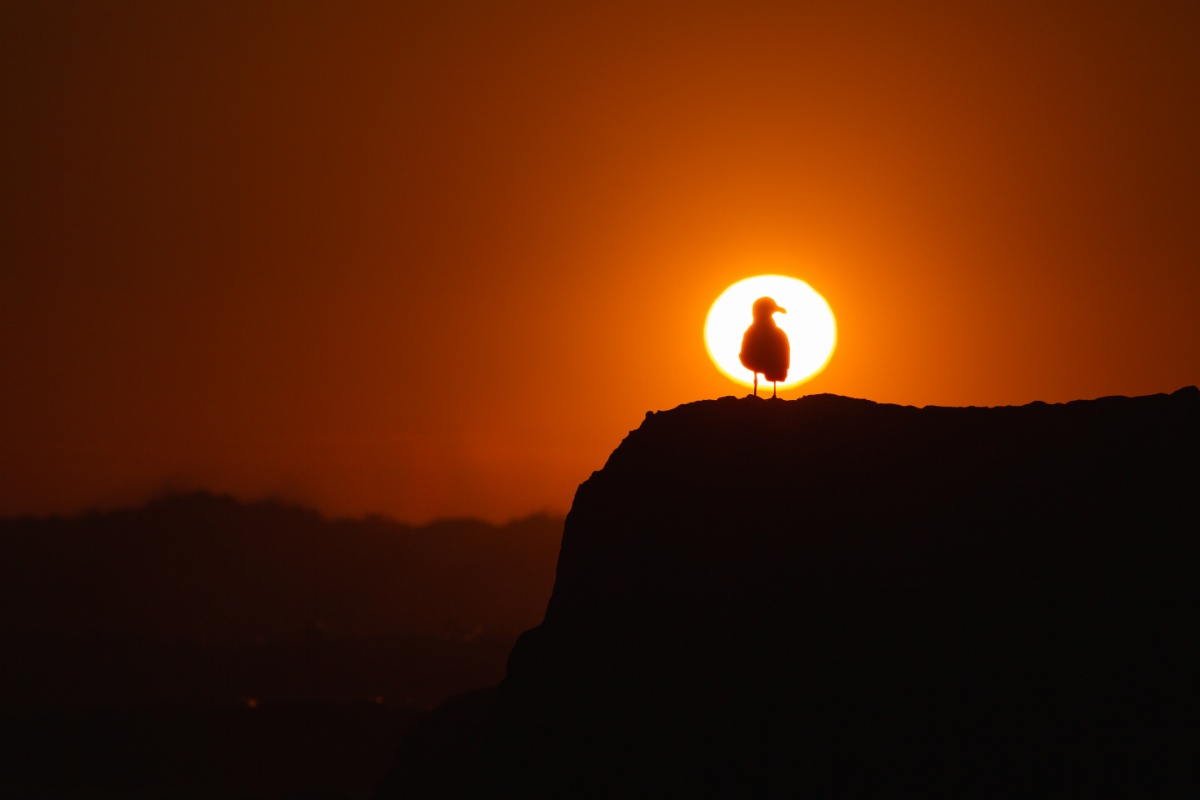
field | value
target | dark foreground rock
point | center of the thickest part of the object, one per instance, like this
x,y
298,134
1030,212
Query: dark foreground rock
x,y
836,597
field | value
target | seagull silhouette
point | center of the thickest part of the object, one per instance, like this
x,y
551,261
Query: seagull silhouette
x,y
765,347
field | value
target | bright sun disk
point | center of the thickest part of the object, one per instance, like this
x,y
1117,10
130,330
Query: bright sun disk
x,y
808,323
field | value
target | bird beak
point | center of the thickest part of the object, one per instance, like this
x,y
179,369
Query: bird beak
x,y
781,310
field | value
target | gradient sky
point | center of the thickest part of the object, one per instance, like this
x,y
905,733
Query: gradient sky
x,y
432,259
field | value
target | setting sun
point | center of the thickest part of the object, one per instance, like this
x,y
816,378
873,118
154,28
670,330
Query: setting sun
x,y
808,323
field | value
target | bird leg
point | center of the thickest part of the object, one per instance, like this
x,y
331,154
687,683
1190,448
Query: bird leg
x,y
756,384
772,390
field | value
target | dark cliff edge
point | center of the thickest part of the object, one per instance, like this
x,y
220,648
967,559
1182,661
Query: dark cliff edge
x,y
838,597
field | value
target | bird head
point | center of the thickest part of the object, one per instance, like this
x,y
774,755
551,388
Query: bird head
x,y
764,307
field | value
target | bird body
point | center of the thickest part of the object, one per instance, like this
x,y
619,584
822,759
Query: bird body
x,y
765,347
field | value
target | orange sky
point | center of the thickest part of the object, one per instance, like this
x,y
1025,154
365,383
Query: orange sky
x,y
433,259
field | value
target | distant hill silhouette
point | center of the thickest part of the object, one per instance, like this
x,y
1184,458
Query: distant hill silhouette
x,y
200,598
830,596
203,566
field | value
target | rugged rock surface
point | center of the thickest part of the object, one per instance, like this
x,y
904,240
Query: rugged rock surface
x,y
837,597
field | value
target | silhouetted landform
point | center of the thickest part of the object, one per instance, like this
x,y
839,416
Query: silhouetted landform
x,y
273,752
208,567
198,598
205,647
833,597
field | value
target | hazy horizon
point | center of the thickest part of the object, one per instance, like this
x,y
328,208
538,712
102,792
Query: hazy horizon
x,y
165,491
168,494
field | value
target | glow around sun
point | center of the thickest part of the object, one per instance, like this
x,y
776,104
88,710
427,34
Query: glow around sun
x,y
808,323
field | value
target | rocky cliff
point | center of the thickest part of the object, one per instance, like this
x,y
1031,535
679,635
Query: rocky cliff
x,y
839,597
